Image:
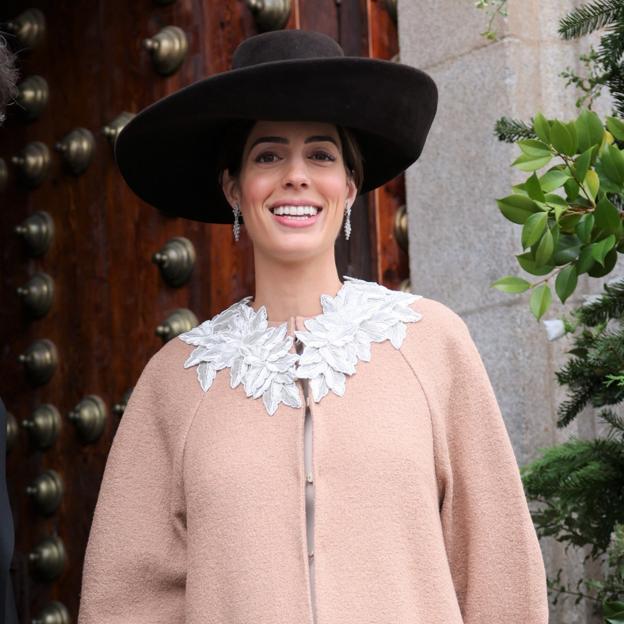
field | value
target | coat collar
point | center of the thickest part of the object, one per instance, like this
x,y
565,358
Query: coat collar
x,y
260,355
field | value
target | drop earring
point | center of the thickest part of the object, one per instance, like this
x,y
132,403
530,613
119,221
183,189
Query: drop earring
x,y
236,227
347,224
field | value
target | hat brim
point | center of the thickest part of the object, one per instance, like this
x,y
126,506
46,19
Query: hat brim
x,y
168,152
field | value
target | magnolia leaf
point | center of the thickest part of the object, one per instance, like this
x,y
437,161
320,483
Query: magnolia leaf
x,y
511,284
533,188
526,261
540,300
525,162
581,164
534,228
618,159
572,189
585,259
584,227
591,184
589,130
534,148
607,217
559,210
568,221
517,208
616,127
601,248
567,249
565,282
545,247
597,270
562,138
541,127
611,164
553,179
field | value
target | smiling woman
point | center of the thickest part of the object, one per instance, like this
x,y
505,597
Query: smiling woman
x,y
321,451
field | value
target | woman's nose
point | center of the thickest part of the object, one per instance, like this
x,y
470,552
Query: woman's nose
x,y
296,174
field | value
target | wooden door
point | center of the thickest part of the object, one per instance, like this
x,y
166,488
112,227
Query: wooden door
x,y
111,305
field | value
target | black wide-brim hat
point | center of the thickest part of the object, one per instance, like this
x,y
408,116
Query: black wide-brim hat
x,y
168,152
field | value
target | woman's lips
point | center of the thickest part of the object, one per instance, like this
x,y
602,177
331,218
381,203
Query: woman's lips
x,y
297,222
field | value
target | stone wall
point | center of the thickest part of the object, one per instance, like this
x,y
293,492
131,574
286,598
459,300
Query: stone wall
x,y
459,243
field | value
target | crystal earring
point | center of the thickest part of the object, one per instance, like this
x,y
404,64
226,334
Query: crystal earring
x,y
347,224
236,227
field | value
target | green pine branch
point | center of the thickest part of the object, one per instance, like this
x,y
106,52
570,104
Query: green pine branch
x,y
511,130
589,17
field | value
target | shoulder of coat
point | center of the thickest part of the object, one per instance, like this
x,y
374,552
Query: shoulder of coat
x,y
438,322
166,362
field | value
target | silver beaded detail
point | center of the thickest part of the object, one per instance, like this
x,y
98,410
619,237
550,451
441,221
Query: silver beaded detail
x,y
347,223
236,227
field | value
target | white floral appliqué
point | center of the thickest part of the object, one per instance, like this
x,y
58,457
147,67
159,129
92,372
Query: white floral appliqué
x,y
361,313
260,356
257,355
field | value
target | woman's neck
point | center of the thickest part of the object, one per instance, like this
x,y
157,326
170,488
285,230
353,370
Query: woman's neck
x,y
294,289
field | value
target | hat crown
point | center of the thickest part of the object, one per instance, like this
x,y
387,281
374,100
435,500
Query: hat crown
x,y
284,45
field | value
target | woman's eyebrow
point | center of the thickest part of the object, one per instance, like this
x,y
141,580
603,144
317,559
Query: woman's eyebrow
x,y
279,139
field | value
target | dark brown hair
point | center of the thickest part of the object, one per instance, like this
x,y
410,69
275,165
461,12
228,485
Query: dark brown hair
x,y
232,142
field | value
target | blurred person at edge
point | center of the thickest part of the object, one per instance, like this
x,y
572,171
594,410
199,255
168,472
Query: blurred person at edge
x,y
8,614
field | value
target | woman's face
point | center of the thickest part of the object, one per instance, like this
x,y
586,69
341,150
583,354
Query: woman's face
x,y
287,163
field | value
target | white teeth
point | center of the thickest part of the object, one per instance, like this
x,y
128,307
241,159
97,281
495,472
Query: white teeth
x,y
295,210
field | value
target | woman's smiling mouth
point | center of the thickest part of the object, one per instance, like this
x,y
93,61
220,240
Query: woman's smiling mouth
x,y
296,216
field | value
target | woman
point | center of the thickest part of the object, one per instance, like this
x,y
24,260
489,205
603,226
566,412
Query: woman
x,y
324,452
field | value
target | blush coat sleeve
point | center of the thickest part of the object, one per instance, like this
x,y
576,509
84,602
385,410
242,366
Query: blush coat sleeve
x,y
135,562
491,543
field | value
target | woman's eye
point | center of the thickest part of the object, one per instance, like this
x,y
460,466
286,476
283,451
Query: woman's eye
x,y
267,157
260,157
327,156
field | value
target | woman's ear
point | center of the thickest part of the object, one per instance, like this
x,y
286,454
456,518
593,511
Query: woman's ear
x,y
229,184
351,190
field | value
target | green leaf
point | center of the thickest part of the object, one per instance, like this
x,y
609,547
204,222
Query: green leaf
x,y
562,138
533,188
525,162
616,127
618,159
567,250
596,270
552,199
565,283
581,164
571,126
584,227
572,189
534,228
613,611
511,284
607,164
545,247
540,300
569,221
585,260
526,261
532,147
541,127
591,183
589,130
553,179
517,208
602,248
607,217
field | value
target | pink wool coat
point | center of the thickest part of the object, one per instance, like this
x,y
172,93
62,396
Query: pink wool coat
x,y
420,516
